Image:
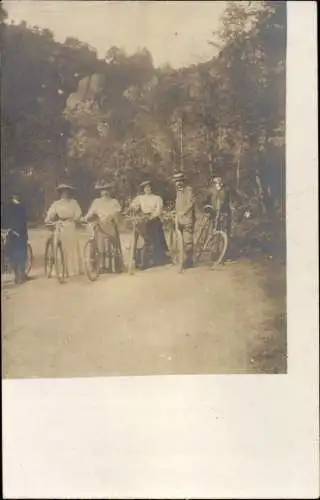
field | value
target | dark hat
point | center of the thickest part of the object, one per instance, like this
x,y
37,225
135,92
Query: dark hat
x,y
103,185
145,183
64,186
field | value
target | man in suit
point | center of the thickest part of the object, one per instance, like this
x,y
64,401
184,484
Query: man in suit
x,y
185,215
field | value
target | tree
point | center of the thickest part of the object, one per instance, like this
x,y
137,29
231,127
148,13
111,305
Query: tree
x,y
65,111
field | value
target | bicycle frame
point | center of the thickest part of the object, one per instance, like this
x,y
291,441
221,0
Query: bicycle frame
x,y
5,233
54,228
5,254
112,244
210,226
95,230
137,222
4,245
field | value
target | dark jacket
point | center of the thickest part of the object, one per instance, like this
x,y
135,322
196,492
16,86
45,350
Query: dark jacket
x,y
221,200
14,216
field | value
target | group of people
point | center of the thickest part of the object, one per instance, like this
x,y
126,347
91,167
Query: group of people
x,y
104,213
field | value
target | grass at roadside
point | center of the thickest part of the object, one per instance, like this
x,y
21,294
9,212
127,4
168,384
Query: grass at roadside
x,y
269,354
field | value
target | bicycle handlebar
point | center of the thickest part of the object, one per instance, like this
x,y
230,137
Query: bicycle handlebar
x,y
6,232
137,218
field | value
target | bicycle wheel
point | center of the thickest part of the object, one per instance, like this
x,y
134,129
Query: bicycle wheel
x,y
176,248
29,259
217,245
200,244
59,262
109,260
91,260
7,274
180,251
119,266
48,258
133,248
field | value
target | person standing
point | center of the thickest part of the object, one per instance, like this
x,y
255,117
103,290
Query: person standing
x,y
104,213
221,197
14,218
220,200
67,212
185,215
151,206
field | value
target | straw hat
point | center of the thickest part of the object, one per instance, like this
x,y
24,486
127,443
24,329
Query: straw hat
x,y
178,176
145,183
103,185
65,186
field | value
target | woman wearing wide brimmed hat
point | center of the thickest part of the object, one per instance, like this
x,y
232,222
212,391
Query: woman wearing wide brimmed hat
x,y
151,205
185,214
104,214
67,211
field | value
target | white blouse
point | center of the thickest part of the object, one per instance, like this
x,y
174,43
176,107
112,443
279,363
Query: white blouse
x,y
64,209
103,208
148,203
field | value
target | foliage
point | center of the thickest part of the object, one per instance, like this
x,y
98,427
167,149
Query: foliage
x,y
227,114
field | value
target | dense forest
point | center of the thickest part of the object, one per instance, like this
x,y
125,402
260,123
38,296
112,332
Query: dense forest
x,y
67,113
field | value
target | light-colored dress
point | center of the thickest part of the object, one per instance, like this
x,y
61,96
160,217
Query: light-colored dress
x,y
68,212
105,210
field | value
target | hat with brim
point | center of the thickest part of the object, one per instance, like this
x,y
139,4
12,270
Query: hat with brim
x,y
145,183
103,185
179,176
67,187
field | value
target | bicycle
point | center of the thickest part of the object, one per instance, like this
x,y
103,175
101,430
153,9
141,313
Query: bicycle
x,y
93,258
212,239
53,255
142,252
6,265
174,240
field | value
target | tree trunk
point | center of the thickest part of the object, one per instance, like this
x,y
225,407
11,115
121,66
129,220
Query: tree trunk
x,y
238,174
50,179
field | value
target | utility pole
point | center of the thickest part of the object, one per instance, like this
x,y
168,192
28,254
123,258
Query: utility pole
x,y
181,144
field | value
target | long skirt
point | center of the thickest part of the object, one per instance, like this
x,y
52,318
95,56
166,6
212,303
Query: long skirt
x,y
155,238
71,248
17,251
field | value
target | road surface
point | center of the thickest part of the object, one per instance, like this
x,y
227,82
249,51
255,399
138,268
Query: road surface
x,y
231,320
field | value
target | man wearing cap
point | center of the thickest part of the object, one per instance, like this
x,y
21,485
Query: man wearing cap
x,y
105,212
14,218
67,212
220,196
151,206
185,215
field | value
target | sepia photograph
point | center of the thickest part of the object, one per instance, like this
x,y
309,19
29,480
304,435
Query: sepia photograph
x,y
143,193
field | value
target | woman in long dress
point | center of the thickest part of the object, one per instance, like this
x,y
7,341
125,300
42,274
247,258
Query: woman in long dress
x,y
67,211
151,206
103,214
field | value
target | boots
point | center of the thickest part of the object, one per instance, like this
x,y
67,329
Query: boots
x,y
18,276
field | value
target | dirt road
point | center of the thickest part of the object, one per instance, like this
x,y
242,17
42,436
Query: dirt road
x,y
155,322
